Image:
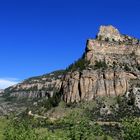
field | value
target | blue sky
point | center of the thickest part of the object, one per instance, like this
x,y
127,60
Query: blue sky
x,y
40,36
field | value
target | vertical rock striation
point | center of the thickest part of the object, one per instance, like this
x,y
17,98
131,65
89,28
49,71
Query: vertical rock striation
x,y
88,84
113,59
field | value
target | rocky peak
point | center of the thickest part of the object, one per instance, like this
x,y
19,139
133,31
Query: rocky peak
x,y
110,45
109,33
113,60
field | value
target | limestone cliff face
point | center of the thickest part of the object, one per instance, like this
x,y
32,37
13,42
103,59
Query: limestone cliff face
x,y
37,87
110,45
88,84
114,60
109,32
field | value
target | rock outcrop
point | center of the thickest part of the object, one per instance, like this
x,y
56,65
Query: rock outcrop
x,y
110,46
37,87
113,60
109,33
88,84
134,95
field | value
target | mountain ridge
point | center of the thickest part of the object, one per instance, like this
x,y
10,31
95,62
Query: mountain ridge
x,y
113,59
109,63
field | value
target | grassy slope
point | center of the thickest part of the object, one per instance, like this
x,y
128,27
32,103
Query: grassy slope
x,y
3,123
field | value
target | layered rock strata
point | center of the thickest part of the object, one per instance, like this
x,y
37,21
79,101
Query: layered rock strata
x,y
113,61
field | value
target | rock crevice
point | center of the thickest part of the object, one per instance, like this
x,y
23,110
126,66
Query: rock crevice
x,y
113,59
92,84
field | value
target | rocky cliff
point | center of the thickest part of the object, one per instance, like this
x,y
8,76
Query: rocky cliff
x,y
88,84
109,65
114,60
37,87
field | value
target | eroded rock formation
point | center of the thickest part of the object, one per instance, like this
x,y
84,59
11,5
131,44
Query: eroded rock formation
x,y
88,84
113,61
118,58
37,87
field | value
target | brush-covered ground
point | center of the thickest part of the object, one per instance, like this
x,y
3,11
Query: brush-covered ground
x,y
106,118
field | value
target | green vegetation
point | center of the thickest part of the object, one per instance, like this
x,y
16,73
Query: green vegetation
x,y
78,126
20,130
80,65
100,64
75,126
127,68
77,121
3,125
131,129
51,102
55,74
33,80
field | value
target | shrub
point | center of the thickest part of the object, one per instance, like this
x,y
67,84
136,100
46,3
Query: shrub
x,y
50,102
100,64
79,127
131,129
80,65
127,68
20,130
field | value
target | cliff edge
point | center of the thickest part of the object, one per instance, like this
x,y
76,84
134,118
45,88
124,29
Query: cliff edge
x,y
110,66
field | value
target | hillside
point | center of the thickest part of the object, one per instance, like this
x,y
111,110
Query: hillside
x,y
114,61
18,97
110,66
37,87
111,57
96,97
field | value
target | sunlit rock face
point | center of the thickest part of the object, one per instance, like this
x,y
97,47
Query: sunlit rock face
x,y
120,53
89,84
113,62
109,33
110,43
44,86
